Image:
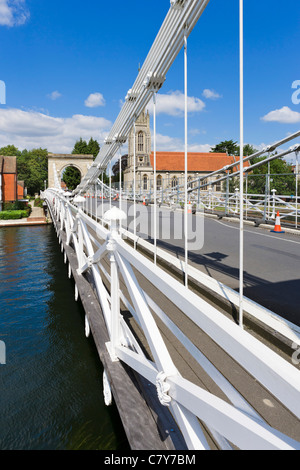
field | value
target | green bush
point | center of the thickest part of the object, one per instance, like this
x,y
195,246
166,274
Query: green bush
x,y
38,202
13,215
15,206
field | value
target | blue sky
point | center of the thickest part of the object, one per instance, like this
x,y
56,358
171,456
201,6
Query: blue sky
x,y
68,65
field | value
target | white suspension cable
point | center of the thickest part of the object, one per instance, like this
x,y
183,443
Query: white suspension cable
x,y
185,163
120,181
241,267
110,184
134,184
154,179
162,54
102,202
297,175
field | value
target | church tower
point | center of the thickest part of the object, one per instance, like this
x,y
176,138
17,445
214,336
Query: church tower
x,y
142,151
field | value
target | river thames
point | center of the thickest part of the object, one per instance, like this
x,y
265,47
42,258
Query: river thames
x,y
51,382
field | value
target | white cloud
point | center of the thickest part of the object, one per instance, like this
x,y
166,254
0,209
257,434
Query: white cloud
x,y
54,95
13,12
211,94
166,143
31,129
284,115
94,100
173,104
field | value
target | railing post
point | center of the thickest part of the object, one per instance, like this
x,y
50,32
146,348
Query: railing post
x,y
236,201
114,216
81,259
115,302
227,193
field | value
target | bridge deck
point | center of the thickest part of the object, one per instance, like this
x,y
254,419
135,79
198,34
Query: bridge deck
x,y
267,406
147,424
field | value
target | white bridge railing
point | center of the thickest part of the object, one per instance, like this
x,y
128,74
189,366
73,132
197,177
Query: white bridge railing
x,y
235,423
262,207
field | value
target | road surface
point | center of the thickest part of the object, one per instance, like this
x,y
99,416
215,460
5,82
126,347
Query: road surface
x,y
271,261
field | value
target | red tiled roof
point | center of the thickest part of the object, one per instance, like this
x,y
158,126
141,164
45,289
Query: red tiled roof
x,y
197,162
8,165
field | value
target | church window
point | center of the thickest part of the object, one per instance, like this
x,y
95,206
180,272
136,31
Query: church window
x,y
159,182
145,182
141,141
174,182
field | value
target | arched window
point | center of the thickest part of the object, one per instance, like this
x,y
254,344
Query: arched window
x,y
174,182
159,182
145,182
141,141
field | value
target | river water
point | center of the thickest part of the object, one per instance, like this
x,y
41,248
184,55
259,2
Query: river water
x,y
51,383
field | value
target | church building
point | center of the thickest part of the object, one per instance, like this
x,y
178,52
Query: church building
x,y
169,165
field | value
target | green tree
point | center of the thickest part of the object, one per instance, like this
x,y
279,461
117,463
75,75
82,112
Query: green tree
x,y
248,150
232,148
282,178
81,147
33,169
227,146
32,166
9,151
93,147
71,177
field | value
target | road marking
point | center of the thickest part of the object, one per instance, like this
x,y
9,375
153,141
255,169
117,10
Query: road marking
x,y
257,233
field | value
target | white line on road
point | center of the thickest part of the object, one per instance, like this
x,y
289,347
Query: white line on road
x,y
257,233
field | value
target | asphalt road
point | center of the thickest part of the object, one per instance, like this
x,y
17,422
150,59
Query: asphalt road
x,y
271,261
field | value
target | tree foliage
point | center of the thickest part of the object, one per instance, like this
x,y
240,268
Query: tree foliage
x,y
232,148
71,177
32,166
281,174
227,146
282,177
9,151
81,147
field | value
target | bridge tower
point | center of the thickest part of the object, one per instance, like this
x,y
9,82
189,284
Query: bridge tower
x,y
59,162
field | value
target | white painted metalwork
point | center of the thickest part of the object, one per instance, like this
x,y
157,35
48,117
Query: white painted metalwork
x,y
241,260
179,22
236,422
154,178
185,162
229,423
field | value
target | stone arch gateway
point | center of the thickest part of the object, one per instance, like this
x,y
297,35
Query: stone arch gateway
x,y
59,162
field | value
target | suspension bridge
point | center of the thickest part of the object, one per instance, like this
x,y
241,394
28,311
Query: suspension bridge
x,y
182,372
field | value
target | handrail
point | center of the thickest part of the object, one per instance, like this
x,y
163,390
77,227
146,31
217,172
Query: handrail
x,y
188,402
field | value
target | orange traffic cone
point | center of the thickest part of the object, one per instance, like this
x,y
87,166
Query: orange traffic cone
x,y
144,202
277,228
189,208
